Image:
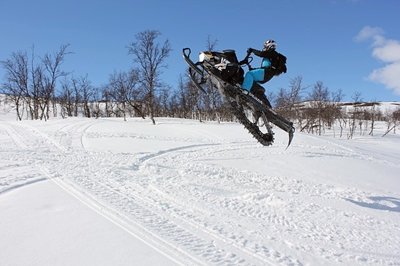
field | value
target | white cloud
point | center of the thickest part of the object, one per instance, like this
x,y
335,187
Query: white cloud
x,y
369,32
389,76
387,51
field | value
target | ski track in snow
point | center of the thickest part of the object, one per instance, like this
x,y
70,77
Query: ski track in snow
x,y
185,204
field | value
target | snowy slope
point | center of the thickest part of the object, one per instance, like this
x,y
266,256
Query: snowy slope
x,y
108,192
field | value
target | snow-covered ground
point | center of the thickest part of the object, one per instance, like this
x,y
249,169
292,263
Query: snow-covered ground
x,y
107,192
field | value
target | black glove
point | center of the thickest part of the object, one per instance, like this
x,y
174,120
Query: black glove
x,y
250,50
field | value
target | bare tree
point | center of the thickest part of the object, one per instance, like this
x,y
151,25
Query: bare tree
x,y
83,93
372,116
392,120
123,90
66,99
87,93
182,99
52,65
281,100
33,84
355,114
119,92
287,101
109,104
163,103
319,97
78,96
134,96
16,85
337,97
150,57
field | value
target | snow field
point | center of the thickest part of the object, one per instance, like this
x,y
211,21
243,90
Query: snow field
x,y
201,193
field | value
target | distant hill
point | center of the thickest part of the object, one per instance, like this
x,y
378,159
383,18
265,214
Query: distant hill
x,y
349,106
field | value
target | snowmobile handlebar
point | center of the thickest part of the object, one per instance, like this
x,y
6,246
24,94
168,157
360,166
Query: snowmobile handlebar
x,y
186,51
247,60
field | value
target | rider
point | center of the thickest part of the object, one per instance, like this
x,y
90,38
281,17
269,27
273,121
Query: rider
x,y
272,64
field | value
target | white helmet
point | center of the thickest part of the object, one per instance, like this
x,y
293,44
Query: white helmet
x,y
269,44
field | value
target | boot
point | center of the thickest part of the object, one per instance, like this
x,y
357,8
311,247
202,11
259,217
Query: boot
x,y
258,91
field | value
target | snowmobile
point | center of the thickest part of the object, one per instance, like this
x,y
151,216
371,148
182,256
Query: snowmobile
x,y
226,73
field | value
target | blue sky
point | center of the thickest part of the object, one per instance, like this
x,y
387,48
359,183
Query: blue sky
x,y
353,45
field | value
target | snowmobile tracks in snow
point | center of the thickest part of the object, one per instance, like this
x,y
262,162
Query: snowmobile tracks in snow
x,y
201,213
158,221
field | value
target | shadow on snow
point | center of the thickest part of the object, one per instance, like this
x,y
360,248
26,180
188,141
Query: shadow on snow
x,y
380,203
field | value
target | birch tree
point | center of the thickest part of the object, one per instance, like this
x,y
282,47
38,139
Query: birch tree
x,y
150,56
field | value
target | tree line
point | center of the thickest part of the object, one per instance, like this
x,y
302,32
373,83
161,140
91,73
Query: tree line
x,y
316,109
39,88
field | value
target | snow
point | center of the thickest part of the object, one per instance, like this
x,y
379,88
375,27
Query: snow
x,y
81,191
44,225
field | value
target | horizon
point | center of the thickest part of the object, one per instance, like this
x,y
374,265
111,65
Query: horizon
x,y
352,45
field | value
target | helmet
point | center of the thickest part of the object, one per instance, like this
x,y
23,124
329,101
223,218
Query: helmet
x,y
269,44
